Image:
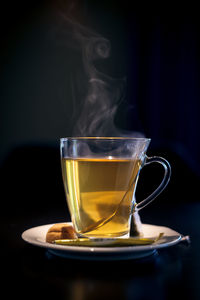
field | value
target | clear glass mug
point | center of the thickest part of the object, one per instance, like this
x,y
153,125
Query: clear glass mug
x,y
100,175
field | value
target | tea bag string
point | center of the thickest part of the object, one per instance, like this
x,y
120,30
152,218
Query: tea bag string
x,y
105,220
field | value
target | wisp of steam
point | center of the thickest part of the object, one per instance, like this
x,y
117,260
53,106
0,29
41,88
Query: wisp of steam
x,y
96,95
103,93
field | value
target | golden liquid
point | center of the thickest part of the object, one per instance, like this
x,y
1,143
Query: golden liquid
x,y
100,194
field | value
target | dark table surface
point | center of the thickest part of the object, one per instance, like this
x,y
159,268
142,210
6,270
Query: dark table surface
x,y
31,272
32,194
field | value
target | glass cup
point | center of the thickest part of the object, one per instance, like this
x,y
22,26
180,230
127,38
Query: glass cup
x,y
100,175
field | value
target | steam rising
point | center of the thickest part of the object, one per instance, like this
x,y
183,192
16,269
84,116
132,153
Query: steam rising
x,y
103,93
96,95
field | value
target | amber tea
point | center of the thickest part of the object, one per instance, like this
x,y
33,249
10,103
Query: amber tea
x,y
100,194
100,176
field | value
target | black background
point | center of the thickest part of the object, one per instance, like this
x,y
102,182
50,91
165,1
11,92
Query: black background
x,y
157,49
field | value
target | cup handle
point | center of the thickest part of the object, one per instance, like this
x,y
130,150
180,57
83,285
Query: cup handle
x,y
163,184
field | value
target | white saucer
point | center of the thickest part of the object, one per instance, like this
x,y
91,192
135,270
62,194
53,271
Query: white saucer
x,y
37,235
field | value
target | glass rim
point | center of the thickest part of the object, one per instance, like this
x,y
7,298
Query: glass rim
x,y
104,138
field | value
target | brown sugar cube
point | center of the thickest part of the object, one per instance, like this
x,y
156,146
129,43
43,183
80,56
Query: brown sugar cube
x,y
60,231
